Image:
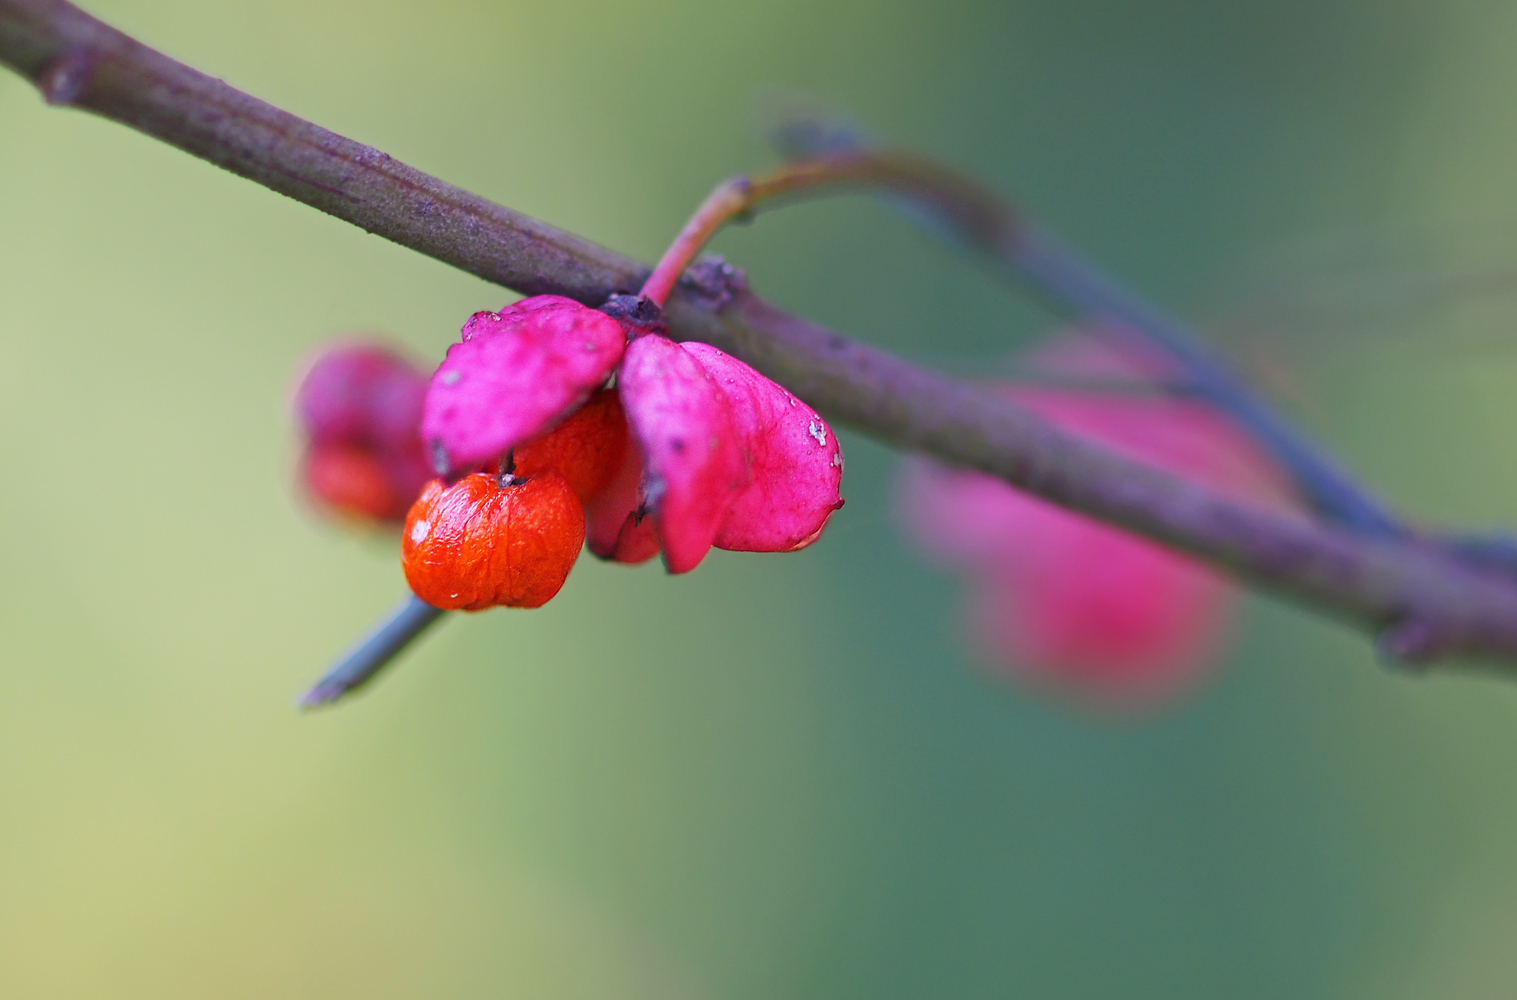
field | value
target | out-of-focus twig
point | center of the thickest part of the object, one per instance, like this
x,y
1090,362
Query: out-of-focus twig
x,y
970,213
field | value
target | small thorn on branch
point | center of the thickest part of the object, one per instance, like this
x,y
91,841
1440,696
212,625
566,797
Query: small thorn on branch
x,y
714,280
1412,642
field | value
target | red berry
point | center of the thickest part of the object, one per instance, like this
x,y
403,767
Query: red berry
x,y
478,543
352,481
617,527
587,448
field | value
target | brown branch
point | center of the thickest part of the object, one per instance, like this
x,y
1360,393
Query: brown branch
x,y
1020,249
1424,605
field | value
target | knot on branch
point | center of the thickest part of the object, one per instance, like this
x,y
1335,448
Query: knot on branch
x,y
64,77
1412,642
713,281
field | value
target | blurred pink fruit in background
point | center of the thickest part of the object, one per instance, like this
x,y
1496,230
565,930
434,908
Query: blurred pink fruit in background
x,y
359,405
1073,607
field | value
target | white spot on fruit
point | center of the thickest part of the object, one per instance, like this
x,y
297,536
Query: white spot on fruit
x,y
818,430
419,531
452,377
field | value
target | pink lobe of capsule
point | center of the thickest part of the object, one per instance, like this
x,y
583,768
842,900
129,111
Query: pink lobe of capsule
x,y
362,394
793,457
615,526
1103,618
514,375
1069,604
694,467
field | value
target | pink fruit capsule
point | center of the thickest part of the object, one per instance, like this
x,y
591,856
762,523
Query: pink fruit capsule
x,y
359,404
1066,603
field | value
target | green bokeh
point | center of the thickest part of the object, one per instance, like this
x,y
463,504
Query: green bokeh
x,y
777,777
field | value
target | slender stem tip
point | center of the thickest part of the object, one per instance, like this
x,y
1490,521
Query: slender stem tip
x,y
359,665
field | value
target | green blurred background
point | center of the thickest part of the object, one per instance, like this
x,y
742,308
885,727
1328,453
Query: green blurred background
x,y
777,777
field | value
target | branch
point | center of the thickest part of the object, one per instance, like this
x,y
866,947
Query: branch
x,y
953,204
1424,605
973,215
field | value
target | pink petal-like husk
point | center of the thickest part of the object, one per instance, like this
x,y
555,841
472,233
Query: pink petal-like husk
x,y
694,465
1104,619
362,393
613,528
514,375
1073,605
795,461
956,517
635,541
